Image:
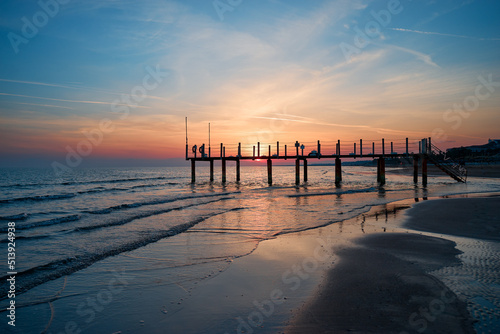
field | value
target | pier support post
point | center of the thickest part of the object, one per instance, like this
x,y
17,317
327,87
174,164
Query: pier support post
x,y
269,171
193,171
211,170
424,170
381,171
305,170
223,170
338,171
415,168
297,171
237,170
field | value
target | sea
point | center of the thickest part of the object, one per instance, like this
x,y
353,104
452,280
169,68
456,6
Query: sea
x,y
65,224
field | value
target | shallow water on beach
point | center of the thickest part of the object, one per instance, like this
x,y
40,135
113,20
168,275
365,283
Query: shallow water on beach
x,y
73,224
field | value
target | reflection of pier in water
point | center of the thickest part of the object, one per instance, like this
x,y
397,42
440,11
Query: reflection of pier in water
x,y
426,153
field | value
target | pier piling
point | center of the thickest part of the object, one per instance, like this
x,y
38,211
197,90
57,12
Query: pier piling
x,y
381,171
297,171
305,170
193,171
223,170
415,169
338,171
269,171
424,170
237,170
211,170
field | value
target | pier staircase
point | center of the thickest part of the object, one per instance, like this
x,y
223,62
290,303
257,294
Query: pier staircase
x,y
451,167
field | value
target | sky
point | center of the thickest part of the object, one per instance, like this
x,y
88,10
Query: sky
x,y
111,82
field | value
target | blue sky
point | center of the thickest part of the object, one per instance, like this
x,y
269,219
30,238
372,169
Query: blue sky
x,y
257,64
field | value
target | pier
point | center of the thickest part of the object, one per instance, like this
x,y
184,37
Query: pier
x,y
421,152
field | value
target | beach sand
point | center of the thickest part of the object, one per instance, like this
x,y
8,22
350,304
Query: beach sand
x,y
432,268
385,281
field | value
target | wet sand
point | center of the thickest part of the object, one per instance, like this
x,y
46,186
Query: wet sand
x,y
395,282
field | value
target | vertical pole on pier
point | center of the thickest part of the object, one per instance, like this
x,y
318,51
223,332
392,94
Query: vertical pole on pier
x,y
305,170
221,150
354,150
258,149
383,147
253,153
381,171
239,150
297,171
415,168
392,148
319,149
224,151
278,149
269,171
187,146
424,170
338,147
238,170
406,146
223,170
285,152
361,147
193,171
338,170
373,148
269,155
211,170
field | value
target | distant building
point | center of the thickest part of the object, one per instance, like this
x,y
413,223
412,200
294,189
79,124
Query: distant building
x,y
492,145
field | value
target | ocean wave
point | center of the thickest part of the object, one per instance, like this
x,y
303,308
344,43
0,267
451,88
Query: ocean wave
x,y
329,193
82,192
144,215
116,222
33,277
18,217
69,183
154,202
37,198
48,222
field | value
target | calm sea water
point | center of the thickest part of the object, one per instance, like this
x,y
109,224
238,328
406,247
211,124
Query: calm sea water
x,y
64,225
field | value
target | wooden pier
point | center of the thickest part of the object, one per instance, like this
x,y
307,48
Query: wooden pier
x,y
425,151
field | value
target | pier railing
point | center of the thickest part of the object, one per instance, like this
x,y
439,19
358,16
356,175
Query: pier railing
x,y
318,149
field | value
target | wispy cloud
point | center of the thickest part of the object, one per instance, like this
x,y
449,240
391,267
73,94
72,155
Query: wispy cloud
x,y
422,56
39,105
443,34
71,101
